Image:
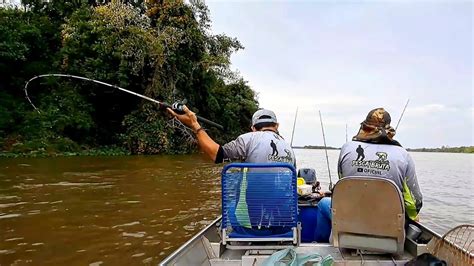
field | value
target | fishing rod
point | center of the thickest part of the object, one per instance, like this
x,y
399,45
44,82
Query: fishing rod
x,y
326,150
177,107
402,114
346,132
293,131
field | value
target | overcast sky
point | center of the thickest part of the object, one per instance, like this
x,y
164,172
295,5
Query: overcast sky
x,y
347,58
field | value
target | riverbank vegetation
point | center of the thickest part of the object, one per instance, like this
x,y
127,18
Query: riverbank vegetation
x,y
162,49
315,147
462,149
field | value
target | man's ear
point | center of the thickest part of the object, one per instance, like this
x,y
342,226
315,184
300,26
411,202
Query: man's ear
x,y
276,126
253,128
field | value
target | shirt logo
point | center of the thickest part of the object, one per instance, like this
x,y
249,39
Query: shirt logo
x,y
284,159
360,153
274,148
382,163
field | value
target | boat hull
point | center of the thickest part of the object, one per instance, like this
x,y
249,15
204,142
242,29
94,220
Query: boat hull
x,y
206,248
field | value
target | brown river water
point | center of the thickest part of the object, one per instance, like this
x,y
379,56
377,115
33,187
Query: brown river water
x,y
138,209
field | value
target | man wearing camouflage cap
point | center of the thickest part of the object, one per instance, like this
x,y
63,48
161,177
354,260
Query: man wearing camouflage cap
x,y
374,152
263,145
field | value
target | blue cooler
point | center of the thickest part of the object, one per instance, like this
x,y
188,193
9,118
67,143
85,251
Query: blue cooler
x,y
307,218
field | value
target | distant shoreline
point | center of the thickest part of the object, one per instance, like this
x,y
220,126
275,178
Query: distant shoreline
x,y
310,147
462,149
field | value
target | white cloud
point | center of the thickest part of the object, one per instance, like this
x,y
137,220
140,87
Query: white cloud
x,y
306,101
430,109
310,56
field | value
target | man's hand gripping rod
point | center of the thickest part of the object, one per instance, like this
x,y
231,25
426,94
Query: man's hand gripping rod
x,y
177,107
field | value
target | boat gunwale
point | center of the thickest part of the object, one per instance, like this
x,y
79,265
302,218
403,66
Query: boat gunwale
x,y
184,246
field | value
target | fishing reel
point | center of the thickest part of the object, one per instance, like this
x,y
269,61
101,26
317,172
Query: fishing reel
x,y
178,107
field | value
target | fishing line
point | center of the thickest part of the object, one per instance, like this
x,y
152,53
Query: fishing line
x,y
176,107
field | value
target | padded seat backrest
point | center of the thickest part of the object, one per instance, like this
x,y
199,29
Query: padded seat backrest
x,y
368,213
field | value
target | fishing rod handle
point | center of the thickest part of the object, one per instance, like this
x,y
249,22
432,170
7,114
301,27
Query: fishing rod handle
x,y
209,122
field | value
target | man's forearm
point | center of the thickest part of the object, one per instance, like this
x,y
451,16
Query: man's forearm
x,y
207,145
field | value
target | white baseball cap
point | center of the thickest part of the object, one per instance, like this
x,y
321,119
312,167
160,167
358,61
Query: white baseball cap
x,y
262,116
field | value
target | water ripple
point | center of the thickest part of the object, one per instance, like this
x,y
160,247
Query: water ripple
x,y
7,216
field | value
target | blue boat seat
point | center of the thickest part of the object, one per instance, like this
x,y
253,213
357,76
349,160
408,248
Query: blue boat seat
x,y
259,202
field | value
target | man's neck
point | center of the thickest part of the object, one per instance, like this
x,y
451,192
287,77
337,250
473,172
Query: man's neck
x,y
269,129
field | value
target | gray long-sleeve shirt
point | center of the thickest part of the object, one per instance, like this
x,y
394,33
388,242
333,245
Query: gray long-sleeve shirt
x,y
386,161
259,147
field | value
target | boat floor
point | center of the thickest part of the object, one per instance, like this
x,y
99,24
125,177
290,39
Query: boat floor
x,y
206,248
340,256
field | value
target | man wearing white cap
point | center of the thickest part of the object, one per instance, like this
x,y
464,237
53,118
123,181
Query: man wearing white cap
x,y
262,145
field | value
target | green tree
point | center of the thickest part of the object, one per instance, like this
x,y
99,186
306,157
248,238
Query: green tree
x,y
112,43
163,49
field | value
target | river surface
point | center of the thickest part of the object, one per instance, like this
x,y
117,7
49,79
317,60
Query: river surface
x,y
138,209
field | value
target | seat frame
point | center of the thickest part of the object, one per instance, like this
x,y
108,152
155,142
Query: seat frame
x,y
242,243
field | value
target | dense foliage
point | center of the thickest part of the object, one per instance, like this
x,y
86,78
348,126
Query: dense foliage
x,y
162,49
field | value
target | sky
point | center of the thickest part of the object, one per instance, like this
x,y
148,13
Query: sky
x,y
345,58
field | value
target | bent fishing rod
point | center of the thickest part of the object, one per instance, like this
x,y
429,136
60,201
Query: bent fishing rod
x,y
177,107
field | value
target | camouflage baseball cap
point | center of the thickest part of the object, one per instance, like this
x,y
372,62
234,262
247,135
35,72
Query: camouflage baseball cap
x,y
262,116
378,117
376,125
